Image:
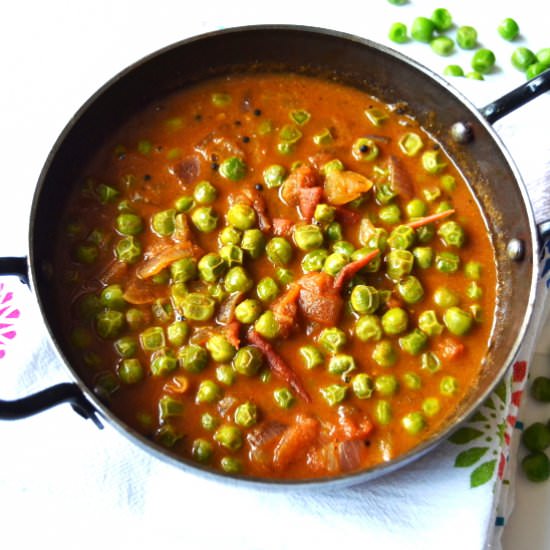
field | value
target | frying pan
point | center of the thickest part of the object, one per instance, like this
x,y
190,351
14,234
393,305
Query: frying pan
x,y
466,133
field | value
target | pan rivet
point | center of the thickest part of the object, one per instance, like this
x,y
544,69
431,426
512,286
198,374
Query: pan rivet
x,y
515,249
462,132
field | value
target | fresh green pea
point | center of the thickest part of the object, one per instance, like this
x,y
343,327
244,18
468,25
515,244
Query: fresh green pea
x,y
233,168
334,263
536,466
314,260
523,57
284,398
248,311
412,380
130,371
383,412
413,422
229,437
198,307
483,60
474,75
395,321
334,394
267,325
279,251
410,289
452,234
536,437
248,360
163,362
368,328
384,354
204,218
453,70
82,337
442,45
177,333
398,33
334,164
312,356
129,224
106,384
448,385
442,19
508,29
390,214
543,56
466,37
457,321
386,385
300,116
422,29
398,2
376,116
308,237
424,256
374,264
414,342
430,361
246,414
540,389
253,243
447,262
332,339
231,465
399,263
341,364
364,299
535,69
472,270
362,385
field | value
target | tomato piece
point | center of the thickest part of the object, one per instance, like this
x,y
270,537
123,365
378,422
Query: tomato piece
x,y
319,301
295,441
343,186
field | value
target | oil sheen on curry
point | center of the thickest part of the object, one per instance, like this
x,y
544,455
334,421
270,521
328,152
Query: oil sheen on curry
x,y
277,276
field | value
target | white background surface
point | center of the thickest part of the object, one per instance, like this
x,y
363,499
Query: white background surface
x,y
55,54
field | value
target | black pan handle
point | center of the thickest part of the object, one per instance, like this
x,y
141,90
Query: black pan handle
x,y
517,97
66,392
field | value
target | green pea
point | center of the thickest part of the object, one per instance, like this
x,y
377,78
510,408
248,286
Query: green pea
x,y
422,29
225,374
233,168
412,380
106,194
241,216
457,321
246,414
129,224
202,451
230,235
534,70
109,323
383,412
152,339
86,253
274,176
384,354
324,137
130,371
452,234
334,394
447,262
431,406
231,255
410,144
335,262
472,270
211,267
267,290
198,307
253,243
442,45
193,358
416,208
386,385
284,275
483,60
112,296
163,223
184,203
540,389
332,339
368,328
474,75
334,164
208,392
248,360
414,342
279,251
398,33
220,349
448,385
290,134
508,29
183,270
127,346
474,291
384,193
362,385
390,214
220,99
430,361
402,237
169,407
395,321
445,297
536,466
284,398
523,57
364,150
312,356
128,250
364,299
162,363
442,19
205,193
466,37
413,422
477,313
373,266
205,219
424,256
334,231
267,325
432,162
314,260
248,311
237,279
341,364
428,323
209,422
177,333
229,437
410,289
324,213
82,337
135,318
308,237
399,263
536,437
